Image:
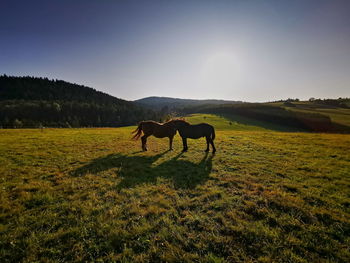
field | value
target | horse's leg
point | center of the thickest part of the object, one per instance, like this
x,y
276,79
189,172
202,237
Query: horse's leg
x,y
144,142
208,140
184,142
171,143
212,145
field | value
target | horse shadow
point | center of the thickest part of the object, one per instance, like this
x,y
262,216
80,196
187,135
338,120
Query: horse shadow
x,y
138,169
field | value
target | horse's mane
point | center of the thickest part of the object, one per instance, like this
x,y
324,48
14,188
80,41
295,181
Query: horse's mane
x,y
178,119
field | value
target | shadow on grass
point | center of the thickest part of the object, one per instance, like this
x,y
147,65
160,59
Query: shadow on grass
x,y
138,169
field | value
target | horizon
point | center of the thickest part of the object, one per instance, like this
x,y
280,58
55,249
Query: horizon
x,y
225,50
156,96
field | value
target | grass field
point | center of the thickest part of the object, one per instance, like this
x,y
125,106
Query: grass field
x,y
91,195
337,115
281,116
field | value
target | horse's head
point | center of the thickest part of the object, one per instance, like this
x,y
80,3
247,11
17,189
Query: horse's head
x,y
178,123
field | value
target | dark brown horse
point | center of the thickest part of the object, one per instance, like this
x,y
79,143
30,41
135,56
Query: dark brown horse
x,y
159,130
197,131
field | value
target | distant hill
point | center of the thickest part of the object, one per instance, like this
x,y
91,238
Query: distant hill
x,y
176,103
34,102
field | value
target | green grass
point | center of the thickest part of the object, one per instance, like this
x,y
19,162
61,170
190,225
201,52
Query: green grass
x,y
337,115
91,195
235,122
278,116
223,122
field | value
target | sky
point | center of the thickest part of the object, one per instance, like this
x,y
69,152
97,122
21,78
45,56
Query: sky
x,y
237,50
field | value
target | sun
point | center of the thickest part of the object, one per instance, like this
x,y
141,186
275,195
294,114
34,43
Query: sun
x,y
220,69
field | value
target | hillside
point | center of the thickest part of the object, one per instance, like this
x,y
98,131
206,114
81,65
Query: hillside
x,y
301,116
176,103
338,113
35,102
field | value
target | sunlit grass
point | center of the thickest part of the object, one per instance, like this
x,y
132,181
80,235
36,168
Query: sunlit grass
x,y
222,123
90,195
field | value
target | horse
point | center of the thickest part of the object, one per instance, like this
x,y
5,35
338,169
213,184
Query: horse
x,y
158,130
197,131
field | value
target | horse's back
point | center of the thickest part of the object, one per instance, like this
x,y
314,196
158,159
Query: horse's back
x,y
198,130
149,126
204,125
159,130
150,122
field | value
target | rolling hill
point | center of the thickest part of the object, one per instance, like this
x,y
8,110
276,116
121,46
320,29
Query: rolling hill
x,y
176,103
34,102
296,116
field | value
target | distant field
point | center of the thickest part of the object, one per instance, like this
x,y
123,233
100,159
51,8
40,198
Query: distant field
x,y
337,115
221,123
235,122
91,195
282,116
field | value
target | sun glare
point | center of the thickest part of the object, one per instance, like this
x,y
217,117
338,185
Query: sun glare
x,y
220,69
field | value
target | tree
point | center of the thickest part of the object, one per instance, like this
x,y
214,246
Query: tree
x,y
17,123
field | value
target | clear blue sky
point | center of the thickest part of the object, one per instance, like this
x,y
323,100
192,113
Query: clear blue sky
x,y
239,50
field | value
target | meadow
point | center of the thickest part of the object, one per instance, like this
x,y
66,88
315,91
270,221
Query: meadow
x,y
92,195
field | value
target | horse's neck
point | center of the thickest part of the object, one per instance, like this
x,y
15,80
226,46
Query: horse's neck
x,y
184,125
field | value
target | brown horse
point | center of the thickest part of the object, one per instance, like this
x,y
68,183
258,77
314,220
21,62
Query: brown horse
x,y
197,131
159,130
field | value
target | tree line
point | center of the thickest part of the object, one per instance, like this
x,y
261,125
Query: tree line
x,y
39,102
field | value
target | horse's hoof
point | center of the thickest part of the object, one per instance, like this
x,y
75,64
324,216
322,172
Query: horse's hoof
x,y
207,150
184,150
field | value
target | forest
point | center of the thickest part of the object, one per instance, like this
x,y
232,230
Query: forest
x,y
31,102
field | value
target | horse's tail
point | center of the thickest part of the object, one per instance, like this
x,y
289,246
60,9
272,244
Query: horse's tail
x,y
213,134
138,132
